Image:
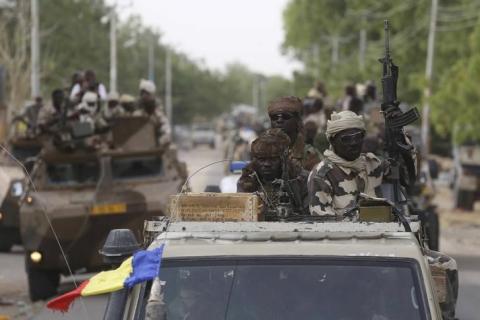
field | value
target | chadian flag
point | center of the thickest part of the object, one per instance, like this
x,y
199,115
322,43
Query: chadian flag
x,y
142,266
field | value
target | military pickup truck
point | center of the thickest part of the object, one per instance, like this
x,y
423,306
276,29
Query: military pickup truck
x,y
239,268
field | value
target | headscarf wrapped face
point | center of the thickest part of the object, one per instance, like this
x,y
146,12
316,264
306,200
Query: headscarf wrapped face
x,y
342,121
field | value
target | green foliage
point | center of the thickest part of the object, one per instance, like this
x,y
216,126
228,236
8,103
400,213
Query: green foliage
x,y
310,27
74,38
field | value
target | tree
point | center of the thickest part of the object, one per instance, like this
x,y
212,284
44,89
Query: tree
x,y
14,53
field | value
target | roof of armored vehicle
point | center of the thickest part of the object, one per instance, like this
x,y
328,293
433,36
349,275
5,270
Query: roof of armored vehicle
x,y
209,239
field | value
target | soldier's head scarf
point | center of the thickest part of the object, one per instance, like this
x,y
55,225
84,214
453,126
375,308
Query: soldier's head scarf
x,y
286,104
271,143
343,120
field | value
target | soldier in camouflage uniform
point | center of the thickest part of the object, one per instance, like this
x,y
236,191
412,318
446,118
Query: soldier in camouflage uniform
x,y
265,173
286,114
148,106
335,183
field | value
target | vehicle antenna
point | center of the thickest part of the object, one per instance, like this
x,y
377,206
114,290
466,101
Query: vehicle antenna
x,y
185,185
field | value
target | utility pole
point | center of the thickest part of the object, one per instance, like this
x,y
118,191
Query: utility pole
x,y
428,77
35,51
168,84
151,59
362,45
335,44
316,61
255,92
113,51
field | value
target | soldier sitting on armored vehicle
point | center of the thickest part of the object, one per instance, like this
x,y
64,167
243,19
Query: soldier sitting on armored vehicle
x,y
148,106
286,114
51,117
113,108
128,104
335,184
30,117
280,181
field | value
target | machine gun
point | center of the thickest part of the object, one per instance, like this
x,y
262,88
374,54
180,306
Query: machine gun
x,y
395,121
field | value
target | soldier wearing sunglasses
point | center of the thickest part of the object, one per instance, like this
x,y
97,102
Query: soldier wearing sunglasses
x,y
335,184
286,114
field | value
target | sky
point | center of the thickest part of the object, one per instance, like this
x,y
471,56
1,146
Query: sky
x,y
220,31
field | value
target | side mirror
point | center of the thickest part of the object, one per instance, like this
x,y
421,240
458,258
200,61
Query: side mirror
x,y
120,244
237,166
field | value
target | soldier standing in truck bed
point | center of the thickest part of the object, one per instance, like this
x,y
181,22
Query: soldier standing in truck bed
x,y
286,114
265,173
335,183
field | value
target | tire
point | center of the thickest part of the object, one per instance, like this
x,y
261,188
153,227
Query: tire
x,y
6,246
7,240
42,284
212,145
433,230
465,199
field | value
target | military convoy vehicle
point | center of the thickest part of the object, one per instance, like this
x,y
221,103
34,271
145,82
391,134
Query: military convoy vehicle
x,y
221,262
82,189
15,159
466,175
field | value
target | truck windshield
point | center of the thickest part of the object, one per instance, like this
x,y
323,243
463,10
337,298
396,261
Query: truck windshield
x,y
135,167
73,173
295,289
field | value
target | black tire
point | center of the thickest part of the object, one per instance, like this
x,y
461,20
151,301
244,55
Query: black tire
x,y
6,244
465,199
212,145
42,284
433,230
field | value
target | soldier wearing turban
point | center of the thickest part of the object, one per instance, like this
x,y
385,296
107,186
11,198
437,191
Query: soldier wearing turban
x,y
335,184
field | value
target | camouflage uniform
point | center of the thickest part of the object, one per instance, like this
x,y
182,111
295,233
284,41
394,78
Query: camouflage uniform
x,y
335,184
334,188
161,123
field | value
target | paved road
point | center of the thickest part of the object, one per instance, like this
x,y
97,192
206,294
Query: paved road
x,y
13,285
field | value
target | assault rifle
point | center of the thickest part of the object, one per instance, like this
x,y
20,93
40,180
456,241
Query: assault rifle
x,y
395,121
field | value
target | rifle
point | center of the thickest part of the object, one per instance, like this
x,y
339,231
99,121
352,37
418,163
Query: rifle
x,y
395,120
290,186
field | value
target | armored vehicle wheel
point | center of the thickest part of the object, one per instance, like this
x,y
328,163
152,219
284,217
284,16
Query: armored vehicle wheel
x,y
5,245
42,284
465,199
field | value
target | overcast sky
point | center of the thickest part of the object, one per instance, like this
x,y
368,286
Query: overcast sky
x,y
220,31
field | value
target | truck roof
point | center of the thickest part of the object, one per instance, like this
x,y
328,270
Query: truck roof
x,y
210,239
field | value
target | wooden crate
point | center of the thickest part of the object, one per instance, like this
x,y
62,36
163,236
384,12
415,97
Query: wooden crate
x,y
215,207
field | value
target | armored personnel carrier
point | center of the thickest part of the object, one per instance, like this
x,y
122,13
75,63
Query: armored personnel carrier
x,y
17,157
85,185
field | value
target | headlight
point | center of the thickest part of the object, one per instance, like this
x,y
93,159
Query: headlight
x,y
16,189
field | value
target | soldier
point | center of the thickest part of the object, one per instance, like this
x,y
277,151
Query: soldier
x,y
148,106
128,104
114,108
286,114
30,116
269,173
335,183
50,117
